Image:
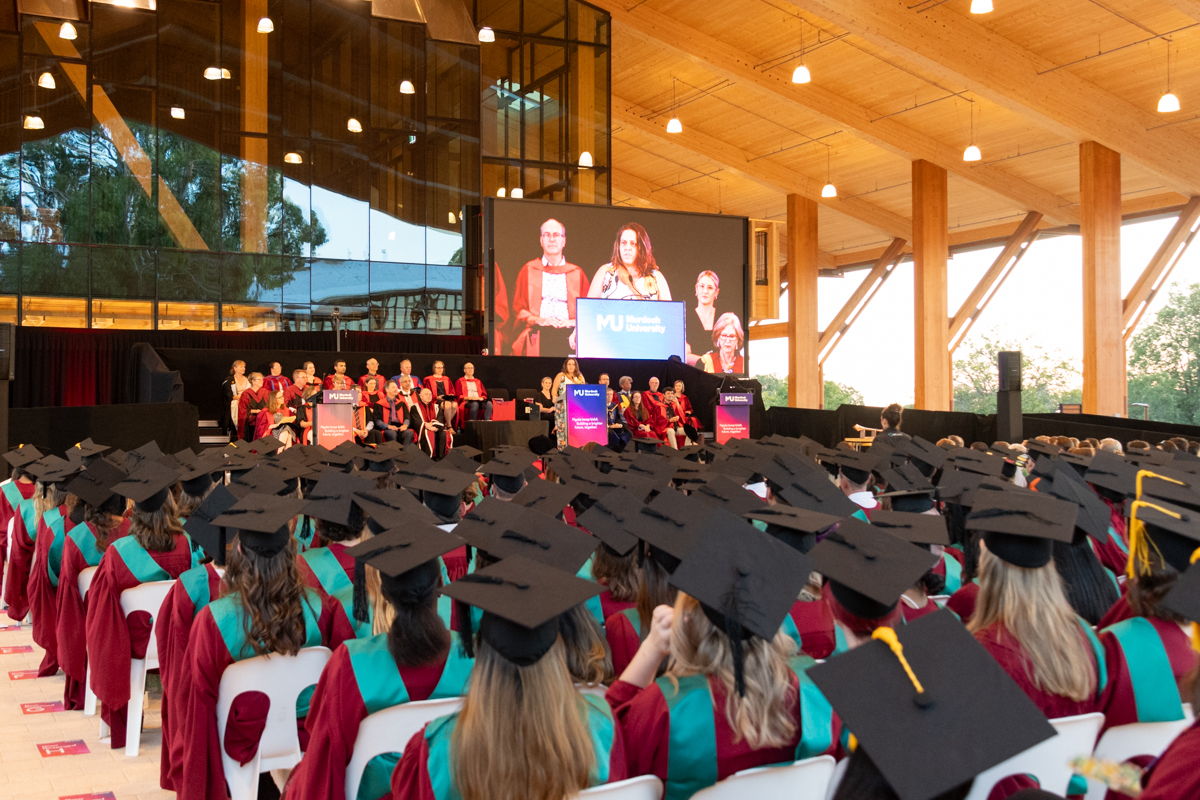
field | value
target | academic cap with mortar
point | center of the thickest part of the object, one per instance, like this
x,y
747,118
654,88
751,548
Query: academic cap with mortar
x,y
262,521
396,552
1021,527
148,486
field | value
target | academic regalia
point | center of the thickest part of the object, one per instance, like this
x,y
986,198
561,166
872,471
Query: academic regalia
x,y
962,602
618,438
305,533
436,442
688,743
347,380
622,632
250,401
1175,776
79,553
43,584
910,612
194,590
527,302
330,571
687,415
16,587
949,568
810,624
1158,656
113,640
441,386
11,494
273,383
608,606
380,380
360,679
711,362
461,390
1119,611
218,640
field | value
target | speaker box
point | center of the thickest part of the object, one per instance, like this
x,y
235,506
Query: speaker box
x,y
1010,370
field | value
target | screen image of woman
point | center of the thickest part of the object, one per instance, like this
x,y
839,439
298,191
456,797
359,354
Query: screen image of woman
x,y
700,321
632,274
727,340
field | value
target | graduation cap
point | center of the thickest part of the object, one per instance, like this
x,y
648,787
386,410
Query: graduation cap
x,y
459,459
745,580
915,528
669,524
343,455
441,489
265,445
546,497
332,500
592,484
378,461
396,554
930,706
1042,449
1181,488
150,451
1112,472
50,465
1079,463
1152,456
815,493
148,486
503,530
867,568
1021,527
645,444
1094,516
87,451
856,466
200,527
967,460
392,508
266,478
22,456
609,520
909,489
1185,462
925,453
521,600
1174,532
718,491
795,527
541,444
507,469
1184,600
262,521
94,485
956,486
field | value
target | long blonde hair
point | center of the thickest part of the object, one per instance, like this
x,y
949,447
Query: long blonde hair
x,y
1032,606
43,500
521,734
762,717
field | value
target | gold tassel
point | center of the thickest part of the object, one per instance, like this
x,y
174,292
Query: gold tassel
x,y
1195,624
1139,542
888,637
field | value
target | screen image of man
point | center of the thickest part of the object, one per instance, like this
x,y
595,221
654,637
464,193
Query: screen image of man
x,y
543,300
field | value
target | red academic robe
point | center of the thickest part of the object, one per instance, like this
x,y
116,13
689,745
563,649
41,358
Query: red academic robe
x,y
112,640
420,417
7,511
911,613
16,587
962,602
646,726
71,619
309,577
328,382
173,631
656,421
199,681
43,594
456,563
608,606
1119,612
266,421
500,309
687,415
527,301
461,390
1180,654
1175,776
814,622
623,638
380,380
273,383
250,400
439,385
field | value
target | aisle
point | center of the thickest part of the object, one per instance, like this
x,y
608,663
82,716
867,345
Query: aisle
x,y
27,775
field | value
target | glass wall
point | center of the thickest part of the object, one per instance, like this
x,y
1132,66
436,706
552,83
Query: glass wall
x,y
546,117
236,165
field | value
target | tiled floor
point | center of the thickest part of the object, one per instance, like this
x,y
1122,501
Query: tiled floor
x,y
26,775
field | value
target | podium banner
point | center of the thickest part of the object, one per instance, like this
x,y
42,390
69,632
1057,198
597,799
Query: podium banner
x,y
333,424
630,328
733,416
587,414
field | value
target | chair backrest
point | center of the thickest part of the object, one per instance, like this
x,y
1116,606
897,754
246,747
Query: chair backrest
x,y
388,731
644,787
1138,739
147,597
282,679
498,393
1049,761
84,581
807,778
594,691
523,410
839,772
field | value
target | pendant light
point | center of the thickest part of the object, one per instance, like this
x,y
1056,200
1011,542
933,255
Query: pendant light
x,y
972,152
500,192
265,25
453,219
828,190
46,81
487,35
212,73
517,192
801,74
585,160
673,124
178,113
1168,102
406,87
353,125
67,31
981,6
293,158
34,123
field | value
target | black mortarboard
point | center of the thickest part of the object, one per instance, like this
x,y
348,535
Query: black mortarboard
x,y
645,444
1185,462
915,528
1173,530
815,493
265,445
87,450
392,508
1110,471
507,469
924,451
541,444
956,486
1042,449
502,530
396,552
989,484
969,717
332,499
906,479
1094,516
148,486
669,524
521,600
195,472
266,479
94,485
51,465
262,521
546,497
593,484
379,461
458,459
795,526
610,518
718,491
150,451
1181,488
976,461
1184,598
1153,456
856,466
22,456
1079,463
869,569
1021,527
656,470
199,525
444,482
343,455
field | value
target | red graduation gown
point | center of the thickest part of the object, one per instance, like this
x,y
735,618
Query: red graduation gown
x,y
250,400
1175,776
911,613
1182,658
43,594
112,640
962,602
814,622
608,606
198,684
461,390
623,640
527,301
310,578
173,631
7,511
71,619
440,385
16,588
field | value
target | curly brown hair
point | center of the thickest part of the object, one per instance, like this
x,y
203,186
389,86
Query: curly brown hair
x,y
1146,592
271,591
156,530
619,573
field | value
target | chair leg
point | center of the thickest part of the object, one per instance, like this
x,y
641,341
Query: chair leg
x,y
89,697
105,731
137,701
243,781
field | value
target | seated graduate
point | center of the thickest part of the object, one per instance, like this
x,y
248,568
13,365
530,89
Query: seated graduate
x,y
675,420
265,609
250,404
276,380
524,731
296,390
725,646
42,588
155,549
338,379
615,562
18,487
372,389
854,478
340,525
391,416
473,402
443,390
928,532
441,491
372,372
618,434
23,537
433,433
410,657
641,421
304,405
101,521
406,372
958,712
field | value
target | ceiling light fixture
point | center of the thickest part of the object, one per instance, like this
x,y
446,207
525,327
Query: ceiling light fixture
x,y
265,25
487,35
517,192
293,158
46,81
178,113
34,123
585,160
801,74
1168,102
67,31
972,152
212,73
406,87
225,76
828,190
353,125
673,124
981,6
500,192
453,219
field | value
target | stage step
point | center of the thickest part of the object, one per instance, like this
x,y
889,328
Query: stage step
x,y
211,434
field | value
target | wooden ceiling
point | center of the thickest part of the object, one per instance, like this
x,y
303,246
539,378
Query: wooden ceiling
x,y
894,81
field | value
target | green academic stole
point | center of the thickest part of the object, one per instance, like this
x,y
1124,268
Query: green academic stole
x,y
305,530
816,714
144,568
1098,651
11,493
382,687
195,583
29,518
1149,669
840,645
593,602
860,514
789,627
635,620
692,742
953,574
445,602
54,522
337,584
85,539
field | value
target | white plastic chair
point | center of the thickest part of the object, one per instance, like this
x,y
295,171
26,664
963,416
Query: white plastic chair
x,y
807,778
940,599
1048,761
84,582
594,691
1137,739
7,561
282,679
835,781
388,731
643,787
146,597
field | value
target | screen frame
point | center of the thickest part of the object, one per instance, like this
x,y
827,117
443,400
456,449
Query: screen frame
x,y
489,253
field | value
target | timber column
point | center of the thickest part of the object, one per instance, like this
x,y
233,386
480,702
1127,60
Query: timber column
x,y
804,376
1100,225
934,389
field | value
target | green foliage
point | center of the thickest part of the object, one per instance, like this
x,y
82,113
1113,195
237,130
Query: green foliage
x,y
1164,360
775,392
1047,378
837,394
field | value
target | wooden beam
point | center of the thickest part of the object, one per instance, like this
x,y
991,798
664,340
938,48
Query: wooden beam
x,y
852,309
1189,7
1103,347
1006,260
888,133
764,172
931,250
1155,275
963,51
657,195
773,330
804,383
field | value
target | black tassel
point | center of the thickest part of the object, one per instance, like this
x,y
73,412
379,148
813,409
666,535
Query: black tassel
x,y
465,633
220,547
360,590
733,629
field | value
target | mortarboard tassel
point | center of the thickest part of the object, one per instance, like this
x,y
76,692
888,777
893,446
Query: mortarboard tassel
x,y
360,590
220,559
1195,624
888,637
1139,542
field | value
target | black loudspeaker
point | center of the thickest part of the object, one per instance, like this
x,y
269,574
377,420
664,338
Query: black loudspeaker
x,y
1010,370
7,334
1009,422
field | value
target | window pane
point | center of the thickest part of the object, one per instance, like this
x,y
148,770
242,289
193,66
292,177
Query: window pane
x,y
252,196
397,55
191,172
587,24
444,300
251,279
187,45
8,309
453,75
398,199
10,267
291,19
124,185
123,272
546,18
339,202
502,15
250,96
56,158
452,184
38,33
187,316
396,289
352,319
340,69
337,283
249,318
189,276
299,232
123,314
54,269
54,312
296,279
123,45
10,135
502,102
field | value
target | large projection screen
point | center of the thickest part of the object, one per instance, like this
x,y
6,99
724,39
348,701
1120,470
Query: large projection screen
x,y
547,255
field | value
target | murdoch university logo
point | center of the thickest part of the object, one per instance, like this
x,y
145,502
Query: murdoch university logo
x,y
614,322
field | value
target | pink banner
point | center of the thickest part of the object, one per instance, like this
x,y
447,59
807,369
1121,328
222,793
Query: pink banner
x,y
92,796
733,422
23,675
17,648
75,747
42,708
334,424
